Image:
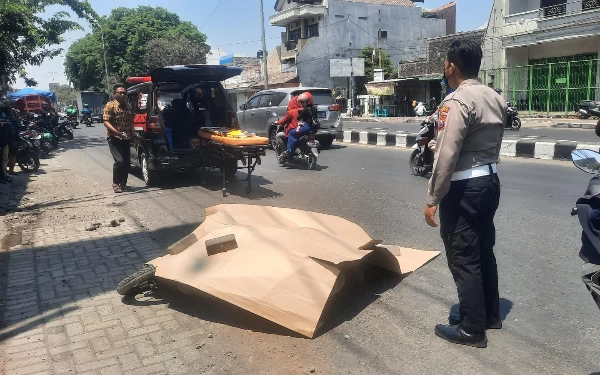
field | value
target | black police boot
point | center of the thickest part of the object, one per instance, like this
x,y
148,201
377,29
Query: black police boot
x,y
454,319
457,335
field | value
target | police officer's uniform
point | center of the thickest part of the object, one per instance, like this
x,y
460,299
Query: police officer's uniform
x,y
465,185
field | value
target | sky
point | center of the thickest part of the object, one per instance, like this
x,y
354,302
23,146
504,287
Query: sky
x,y
231,26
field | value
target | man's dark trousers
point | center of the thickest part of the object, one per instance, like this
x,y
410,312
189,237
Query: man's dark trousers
x,y
467,229
120,150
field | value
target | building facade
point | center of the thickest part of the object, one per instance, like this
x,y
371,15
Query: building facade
x,y
317,31
544,54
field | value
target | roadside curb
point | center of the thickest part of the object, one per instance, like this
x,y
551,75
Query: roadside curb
x,y
574,125
522,148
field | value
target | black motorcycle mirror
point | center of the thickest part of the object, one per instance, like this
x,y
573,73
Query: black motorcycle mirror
x,y
586,160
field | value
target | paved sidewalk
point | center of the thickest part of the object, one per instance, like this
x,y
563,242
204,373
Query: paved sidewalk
x,y
62,315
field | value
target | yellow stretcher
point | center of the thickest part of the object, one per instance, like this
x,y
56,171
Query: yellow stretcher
x,y
229,146
232,137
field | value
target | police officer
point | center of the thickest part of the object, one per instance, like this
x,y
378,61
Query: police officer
x,y
465,185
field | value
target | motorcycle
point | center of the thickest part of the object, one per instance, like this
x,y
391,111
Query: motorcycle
x,y
307,151
512,118
588,211
87,120
588,108
64,131
421,159
72,121
28,157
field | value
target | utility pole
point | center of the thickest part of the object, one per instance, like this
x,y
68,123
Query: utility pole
x,y
351,66
264,45
104,50
379,39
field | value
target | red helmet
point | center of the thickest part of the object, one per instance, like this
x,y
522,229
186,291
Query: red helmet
x,y
306,97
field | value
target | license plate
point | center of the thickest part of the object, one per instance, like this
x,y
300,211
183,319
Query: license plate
x,y
321,114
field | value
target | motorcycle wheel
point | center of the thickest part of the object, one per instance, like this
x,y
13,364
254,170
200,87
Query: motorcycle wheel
x,y
28,161
312,161
273,137
135,283
279,149
416,164
516,123
69,135
582,116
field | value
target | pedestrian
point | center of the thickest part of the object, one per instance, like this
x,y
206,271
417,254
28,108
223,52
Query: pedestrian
x,y
465,185
6,137
118,120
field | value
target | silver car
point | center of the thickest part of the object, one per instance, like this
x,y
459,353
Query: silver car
x,y
259,113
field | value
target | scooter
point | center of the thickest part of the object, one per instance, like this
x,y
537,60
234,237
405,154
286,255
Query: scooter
x,y
421,159
513,121
87,120
588,108
306,152
72,121
588,211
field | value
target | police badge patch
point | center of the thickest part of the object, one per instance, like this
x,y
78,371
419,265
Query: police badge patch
x,y
443,117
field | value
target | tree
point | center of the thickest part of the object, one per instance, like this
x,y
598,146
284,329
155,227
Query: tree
x,y
30,82
128,34
65,95
173,51
372,63
27,38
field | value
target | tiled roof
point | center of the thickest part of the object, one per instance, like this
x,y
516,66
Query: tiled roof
x,y
406,3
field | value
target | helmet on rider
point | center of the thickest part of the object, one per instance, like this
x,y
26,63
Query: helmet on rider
x,y
85,105
305,97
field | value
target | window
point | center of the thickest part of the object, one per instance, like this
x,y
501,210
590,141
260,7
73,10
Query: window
x,y
362,18
294,35
253,103
313,30
266,101
278,97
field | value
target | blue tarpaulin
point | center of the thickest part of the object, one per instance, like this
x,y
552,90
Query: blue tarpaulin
x,y
31,91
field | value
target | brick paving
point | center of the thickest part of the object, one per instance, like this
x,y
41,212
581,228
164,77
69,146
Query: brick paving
x,y
62,315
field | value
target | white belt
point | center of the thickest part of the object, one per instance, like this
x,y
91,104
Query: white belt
x,y
482,170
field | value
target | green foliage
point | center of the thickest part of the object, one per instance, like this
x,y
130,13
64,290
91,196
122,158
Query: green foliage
x,y
66,95
174,51
27,38
128,36
371,64
30,82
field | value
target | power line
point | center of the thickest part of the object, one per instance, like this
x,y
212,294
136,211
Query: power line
x,y
210,15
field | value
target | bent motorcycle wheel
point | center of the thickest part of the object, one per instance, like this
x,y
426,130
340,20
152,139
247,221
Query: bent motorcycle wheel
x,y
516,124
131,285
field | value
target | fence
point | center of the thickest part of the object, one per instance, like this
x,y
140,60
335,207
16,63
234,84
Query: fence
x,y
555,87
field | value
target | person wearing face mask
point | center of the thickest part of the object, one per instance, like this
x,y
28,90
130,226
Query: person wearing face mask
x,y
464,184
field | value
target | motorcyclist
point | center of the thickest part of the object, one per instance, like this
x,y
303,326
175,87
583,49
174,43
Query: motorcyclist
x,y
86,111
9,137
305,119
290,120
71,111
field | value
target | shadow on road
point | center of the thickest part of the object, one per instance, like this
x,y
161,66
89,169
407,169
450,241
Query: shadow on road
x,y
505,308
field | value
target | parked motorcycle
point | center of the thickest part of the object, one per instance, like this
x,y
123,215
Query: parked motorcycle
x,y
588,211
63,130
28,158
307,151
588,108
421,159
513,121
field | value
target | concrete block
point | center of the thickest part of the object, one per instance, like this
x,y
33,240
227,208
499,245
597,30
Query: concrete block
x,y
509,148
544,150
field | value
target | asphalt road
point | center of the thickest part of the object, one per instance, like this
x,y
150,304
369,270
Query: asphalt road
x,y
386,326
539,133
